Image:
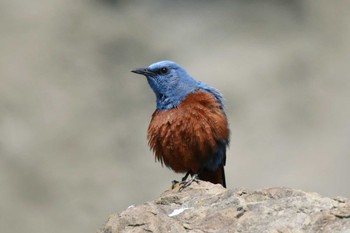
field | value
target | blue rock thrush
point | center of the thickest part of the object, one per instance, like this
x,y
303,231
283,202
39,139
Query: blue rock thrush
x,y
189,130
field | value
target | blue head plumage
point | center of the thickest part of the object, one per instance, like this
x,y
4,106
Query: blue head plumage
x,y
171,84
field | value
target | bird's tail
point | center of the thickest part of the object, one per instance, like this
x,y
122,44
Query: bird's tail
x,y
215,177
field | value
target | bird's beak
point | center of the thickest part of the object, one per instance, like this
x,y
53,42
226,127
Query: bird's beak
x,y
143,71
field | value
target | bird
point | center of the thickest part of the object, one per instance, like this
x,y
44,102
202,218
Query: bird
x,y
189,130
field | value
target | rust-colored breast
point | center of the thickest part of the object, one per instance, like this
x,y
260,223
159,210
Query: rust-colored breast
x,y
186,137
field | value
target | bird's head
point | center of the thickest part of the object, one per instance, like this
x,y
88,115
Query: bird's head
x,y
170,82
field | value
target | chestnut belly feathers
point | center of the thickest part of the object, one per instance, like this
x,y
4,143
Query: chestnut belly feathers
x,y
192,136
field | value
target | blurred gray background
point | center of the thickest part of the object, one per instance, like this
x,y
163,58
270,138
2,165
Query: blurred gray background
x,y
73,118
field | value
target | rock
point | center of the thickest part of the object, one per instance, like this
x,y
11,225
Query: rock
x,y
205,207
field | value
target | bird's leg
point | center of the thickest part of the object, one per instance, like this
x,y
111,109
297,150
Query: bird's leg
x,y
186,176
185,183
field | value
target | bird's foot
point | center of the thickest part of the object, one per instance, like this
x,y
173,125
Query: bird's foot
x,y
187,182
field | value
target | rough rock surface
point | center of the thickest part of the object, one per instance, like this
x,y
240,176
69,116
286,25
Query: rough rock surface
x,y
204,207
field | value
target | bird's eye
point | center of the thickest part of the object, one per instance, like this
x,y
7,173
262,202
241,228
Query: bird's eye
x,y
163,70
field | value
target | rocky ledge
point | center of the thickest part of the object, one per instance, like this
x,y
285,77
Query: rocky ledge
x,y
205,207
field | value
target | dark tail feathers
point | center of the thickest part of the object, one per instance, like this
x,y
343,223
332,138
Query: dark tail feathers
x,y
215,177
